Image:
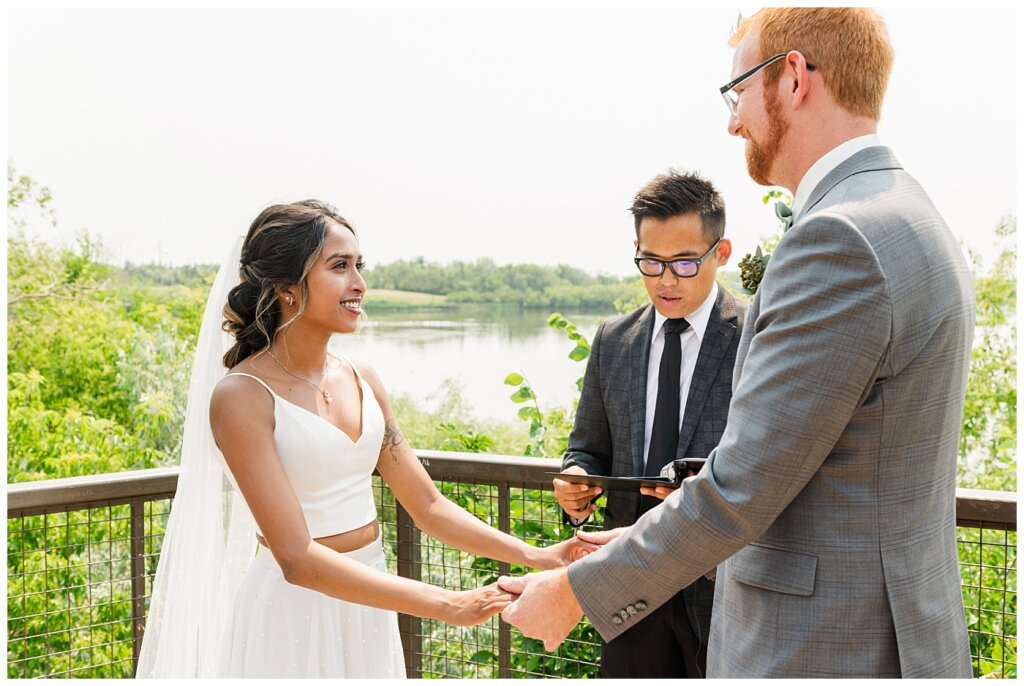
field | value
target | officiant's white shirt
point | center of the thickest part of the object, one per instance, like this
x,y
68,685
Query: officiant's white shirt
x,y
689,342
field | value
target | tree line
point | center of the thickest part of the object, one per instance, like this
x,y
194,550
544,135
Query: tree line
x,y
484,281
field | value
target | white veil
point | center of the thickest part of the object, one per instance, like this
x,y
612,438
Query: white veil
x,y
210,535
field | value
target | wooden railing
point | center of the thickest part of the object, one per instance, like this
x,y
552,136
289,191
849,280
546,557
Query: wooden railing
x,y
136,504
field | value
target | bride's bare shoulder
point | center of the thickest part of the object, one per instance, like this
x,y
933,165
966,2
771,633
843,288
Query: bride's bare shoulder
x,y
241,395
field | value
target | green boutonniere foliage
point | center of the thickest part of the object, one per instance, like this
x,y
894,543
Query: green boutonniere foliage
x,y
752,267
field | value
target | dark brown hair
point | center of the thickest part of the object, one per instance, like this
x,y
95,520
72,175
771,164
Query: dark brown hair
x,y
675,193
282,244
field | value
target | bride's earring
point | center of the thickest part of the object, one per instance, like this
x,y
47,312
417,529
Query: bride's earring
x,y
291,301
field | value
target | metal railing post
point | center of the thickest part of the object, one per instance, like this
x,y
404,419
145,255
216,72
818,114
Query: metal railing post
x,y
138,553
504,631
410,627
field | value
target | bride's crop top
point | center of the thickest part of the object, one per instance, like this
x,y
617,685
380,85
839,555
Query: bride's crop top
x,y
329,473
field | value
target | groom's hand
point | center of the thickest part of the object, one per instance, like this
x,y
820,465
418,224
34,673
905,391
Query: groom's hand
x,y
546,607
575,498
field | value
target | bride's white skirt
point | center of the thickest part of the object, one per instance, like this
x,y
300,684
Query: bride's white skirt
x,y
278,629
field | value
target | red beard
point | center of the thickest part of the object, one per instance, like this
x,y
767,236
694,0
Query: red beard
x,y
761,156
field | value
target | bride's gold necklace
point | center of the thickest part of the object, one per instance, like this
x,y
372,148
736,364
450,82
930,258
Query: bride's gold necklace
x,y
322,389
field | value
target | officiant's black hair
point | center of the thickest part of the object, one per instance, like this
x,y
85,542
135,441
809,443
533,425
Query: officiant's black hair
x,y
282,244
676,193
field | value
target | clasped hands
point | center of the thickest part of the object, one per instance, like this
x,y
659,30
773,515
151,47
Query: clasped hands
x,y
545,606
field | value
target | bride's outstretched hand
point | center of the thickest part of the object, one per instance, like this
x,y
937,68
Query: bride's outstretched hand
x,y
468,608
601,538
562,554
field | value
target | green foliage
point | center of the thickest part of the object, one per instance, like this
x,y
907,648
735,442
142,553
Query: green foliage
x,y
36,271
769,241
45,444
529,413
988,438
450,423
26,197
164,275
635,297
98,364
462,440
549,431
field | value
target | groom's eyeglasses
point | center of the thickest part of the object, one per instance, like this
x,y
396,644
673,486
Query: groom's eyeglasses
x,y
732,98
684,269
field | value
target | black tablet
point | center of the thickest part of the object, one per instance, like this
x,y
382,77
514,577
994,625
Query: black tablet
x,y
629,483
615,483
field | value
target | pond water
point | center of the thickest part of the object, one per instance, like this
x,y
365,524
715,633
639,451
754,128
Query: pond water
x,y
476,346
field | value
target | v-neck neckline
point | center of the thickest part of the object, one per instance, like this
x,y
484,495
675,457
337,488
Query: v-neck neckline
x,y
362,412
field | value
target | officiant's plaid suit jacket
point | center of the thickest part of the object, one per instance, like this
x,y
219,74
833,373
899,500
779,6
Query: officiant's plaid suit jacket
x,y
608,435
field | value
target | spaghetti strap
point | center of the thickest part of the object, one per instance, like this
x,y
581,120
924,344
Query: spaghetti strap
x,y
257,379
349,362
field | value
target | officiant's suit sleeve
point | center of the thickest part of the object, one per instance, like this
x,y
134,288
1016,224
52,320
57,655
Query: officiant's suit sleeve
x,y
590,442
819,332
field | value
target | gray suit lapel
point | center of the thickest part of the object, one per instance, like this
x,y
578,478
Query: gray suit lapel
x,y
639,342
720,330
874,158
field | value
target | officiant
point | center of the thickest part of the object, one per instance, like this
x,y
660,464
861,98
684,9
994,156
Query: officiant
x,y
657,388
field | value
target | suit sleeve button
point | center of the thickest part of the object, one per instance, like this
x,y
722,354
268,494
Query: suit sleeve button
x,y
641,605
616,619
623,614
631,609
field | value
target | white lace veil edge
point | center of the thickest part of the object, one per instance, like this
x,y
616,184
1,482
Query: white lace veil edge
x,y
210,535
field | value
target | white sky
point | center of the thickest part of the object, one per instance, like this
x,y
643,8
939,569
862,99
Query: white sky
x,y
519,134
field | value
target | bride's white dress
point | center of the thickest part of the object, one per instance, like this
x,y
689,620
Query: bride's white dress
x,y
216,609
277,629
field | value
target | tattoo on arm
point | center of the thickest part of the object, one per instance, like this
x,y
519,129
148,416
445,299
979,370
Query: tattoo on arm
x,y
393,438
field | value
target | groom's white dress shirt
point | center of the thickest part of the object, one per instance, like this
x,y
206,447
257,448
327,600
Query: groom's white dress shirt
x,y
826,163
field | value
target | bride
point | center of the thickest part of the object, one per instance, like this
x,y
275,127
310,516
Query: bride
x,y
277,456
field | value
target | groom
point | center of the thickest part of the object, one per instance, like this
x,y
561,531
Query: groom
x,y
829,504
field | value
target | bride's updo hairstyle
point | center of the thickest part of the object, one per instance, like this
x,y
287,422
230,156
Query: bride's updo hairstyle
x,y
282,244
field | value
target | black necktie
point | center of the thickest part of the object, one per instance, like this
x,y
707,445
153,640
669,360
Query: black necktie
x,y
665,432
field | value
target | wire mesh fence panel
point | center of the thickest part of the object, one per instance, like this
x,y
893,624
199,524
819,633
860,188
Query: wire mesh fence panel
x,y
988,573
71,593
537,517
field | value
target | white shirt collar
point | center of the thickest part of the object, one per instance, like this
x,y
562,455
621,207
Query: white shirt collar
x,y
826,163
698,320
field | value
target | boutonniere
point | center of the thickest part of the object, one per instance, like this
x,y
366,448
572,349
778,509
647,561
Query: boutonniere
x,y
785,214
752,269
752,266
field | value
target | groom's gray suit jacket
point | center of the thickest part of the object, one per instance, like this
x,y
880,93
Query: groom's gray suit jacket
x,y
829,505
608,435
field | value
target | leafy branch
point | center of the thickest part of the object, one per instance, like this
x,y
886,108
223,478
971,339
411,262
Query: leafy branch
x,y
553,426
